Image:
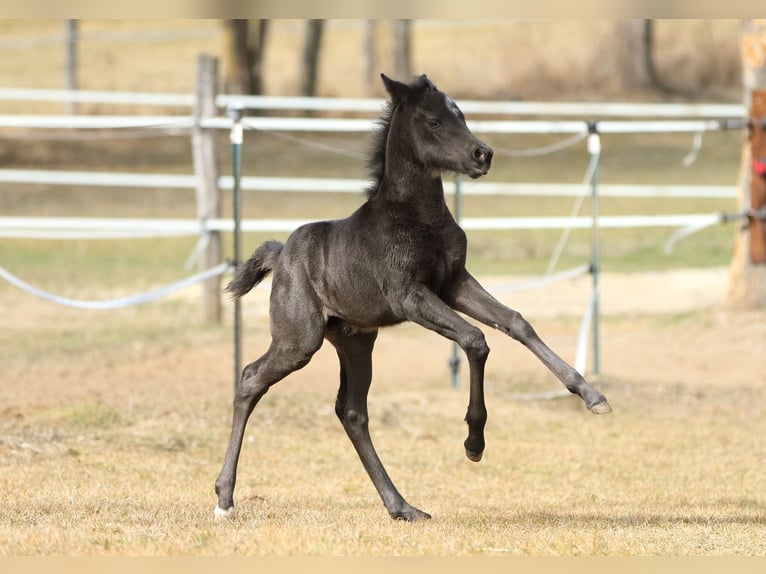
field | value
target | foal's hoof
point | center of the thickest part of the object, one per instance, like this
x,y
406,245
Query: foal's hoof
x,y
221,514
411,514
600,408
474,448
473,456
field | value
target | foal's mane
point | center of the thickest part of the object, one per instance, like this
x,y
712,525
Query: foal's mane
x,y
376,162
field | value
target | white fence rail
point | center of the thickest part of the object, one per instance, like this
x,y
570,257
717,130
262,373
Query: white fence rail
x,y
696,119
351,125
355,186
726,116
374,105
601,118
122,228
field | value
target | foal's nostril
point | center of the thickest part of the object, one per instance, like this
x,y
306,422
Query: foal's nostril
x,y
482,154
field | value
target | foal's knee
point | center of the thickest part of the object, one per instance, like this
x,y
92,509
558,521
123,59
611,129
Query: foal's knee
x,y
475,346
250,384
354,421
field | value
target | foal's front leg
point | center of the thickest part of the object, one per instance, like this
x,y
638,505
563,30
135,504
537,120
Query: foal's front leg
x,y
422,306
471,298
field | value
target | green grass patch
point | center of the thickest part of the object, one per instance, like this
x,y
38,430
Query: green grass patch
x,y
85,417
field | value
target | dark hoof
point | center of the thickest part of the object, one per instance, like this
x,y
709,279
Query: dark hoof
x,y
600,408
411,514
474,448
473,456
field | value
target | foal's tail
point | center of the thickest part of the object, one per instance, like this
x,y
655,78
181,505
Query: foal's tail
x,y
252,271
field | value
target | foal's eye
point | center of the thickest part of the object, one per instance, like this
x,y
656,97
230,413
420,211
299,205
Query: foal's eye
x,y
433,123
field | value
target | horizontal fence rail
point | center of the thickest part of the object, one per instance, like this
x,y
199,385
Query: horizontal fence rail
x,y
356,186
374,105
602,118
351,125
118,228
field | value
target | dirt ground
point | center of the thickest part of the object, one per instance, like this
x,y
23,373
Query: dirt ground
x,y
664,327
112,428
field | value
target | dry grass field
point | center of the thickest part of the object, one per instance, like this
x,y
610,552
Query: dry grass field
x,y
113,428
113,424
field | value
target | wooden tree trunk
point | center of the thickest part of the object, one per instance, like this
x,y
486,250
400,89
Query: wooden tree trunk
x,y
632,53
371,78
243,56
71,79
256,42
310,61
402,50
747,272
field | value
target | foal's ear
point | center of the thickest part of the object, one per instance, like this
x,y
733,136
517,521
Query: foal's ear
x,y
425,83
397,90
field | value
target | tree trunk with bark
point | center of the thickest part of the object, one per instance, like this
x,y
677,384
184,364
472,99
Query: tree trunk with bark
x,y
244,44
747,272
310,62
371,73
402,50
633,53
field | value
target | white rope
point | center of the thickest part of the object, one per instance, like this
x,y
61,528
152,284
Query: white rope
x,y
691,157
689,230
313,144
84,234
543,281
544,150
582,338
120,302
575,211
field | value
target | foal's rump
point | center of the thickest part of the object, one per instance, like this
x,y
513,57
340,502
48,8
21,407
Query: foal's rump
x,y
265,258
340,262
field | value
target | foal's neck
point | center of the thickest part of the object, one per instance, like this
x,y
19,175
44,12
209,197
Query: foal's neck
x,y
406,181
421,193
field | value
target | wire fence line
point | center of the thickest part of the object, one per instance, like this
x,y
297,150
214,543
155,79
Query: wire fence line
x,y
114,36
357,125
353,185
85,228
590,110
81,126
120,302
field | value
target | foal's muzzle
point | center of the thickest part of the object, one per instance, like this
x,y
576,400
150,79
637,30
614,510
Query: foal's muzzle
x,y
482,157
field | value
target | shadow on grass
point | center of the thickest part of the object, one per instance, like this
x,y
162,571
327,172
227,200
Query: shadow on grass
x,y
751,512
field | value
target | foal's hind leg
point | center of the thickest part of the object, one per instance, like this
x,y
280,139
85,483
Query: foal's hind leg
x,y
355,354
469,297
290,350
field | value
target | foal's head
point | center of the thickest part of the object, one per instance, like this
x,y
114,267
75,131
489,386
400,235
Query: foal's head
x,y
428,124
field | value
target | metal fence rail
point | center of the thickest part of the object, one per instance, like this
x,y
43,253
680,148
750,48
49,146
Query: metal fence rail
x,y
356,186
602,118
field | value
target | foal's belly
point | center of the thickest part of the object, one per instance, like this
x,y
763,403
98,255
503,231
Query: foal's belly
x,y
358,300
366,301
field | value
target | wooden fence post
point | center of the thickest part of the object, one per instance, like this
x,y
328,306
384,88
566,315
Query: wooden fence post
x,y
747,278
758,176
206,169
